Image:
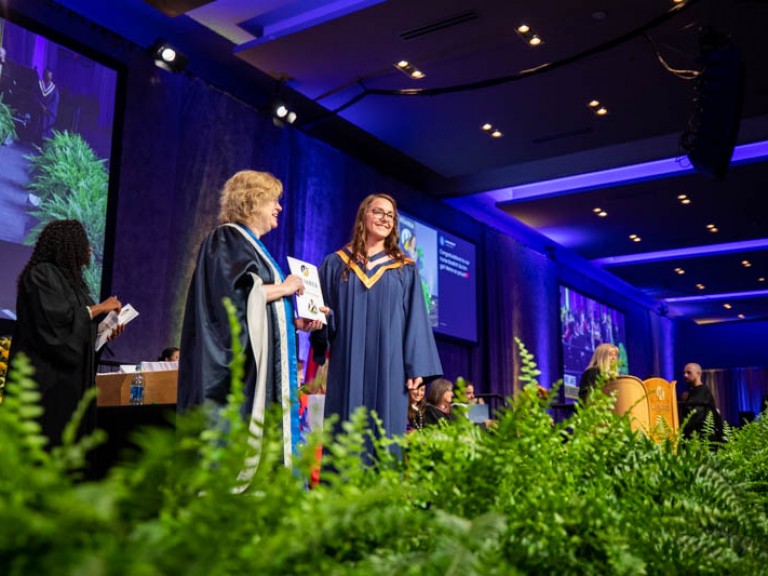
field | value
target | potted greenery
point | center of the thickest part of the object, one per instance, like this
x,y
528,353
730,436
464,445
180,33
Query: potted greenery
x,y
7,126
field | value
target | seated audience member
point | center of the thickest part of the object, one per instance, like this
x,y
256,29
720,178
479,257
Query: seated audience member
x,y
416,407
698,404
602,368
170,354
439,401
469,393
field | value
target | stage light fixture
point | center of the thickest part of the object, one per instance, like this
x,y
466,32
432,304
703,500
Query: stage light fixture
x,y
282,114
168,57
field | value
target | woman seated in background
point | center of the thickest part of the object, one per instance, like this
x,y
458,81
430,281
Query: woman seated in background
x,y
416,407
602,368
170,354
439,401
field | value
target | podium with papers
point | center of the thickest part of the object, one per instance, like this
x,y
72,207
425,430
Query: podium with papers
x,y
115,389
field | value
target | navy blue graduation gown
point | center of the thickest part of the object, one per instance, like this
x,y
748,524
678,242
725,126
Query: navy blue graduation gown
x,y
379,336
232,263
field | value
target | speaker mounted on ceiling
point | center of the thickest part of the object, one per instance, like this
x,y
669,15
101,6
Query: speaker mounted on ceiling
x,y
718,95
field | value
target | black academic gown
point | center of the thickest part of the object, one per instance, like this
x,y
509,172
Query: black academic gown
x,y
55,331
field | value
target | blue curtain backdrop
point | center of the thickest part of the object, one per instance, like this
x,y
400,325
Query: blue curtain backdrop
x,y
183,139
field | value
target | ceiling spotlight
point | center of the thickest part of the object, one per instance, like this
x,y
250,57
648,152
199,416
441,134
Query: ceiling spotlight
x,y
635,238
700,286
680,271
682,196
685,201
713,230
167,56
282,114
597,210
593,103
746,263
526,33
710,226
761,279
602,213
496,134
741,316
602,111
727,306
409,70
486,126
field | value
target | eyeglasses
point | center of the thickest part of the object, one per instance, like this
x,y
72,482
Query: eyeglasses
x,y
379,213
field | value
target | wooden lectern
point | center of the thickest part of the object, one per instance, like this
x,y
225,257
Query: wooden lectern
x,y
115,389
646,401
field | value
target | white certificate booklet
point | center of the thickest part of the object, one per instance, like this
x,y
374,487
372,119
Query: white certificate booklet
x,y
127,313
308,304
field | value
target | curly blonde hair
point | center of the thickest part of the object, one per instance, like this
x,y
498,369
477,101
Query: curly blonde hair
x,y
245,192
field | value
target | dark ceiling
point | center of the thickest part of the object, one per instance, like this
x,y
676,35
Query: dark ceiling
x,y
334,61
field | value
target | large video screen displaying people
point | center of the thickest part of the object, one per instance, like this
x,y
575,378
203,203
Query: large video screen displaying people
x,y
585,324
446,265
57,110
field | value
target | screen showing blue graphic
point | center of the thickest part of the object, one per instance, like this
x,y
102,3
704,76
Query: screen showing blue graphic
x,y
447,268
57,111
584,325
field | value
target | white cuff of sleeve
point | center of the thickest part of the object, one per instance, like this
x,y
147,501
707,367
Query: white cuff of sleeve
x,y
90,313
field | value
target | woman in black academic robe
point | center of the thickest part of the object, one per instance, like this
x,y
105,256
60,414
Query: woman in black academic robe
x,y
56,326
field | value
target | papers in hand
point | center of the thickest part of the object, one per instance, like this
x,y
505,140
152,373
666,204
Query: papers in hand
x,y
308,304
106,326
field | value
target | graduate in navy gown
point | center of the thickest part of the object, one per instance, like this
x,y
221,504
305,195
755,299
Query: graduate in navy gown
x,y
380,339
234,263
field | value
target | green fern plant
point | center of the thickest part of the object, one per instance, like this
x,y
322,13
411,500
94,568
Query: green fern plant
x,y
7,125
72,183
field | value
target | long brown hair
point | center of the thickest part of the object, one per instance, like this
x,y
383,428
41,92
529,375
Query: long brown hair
x,y
357,244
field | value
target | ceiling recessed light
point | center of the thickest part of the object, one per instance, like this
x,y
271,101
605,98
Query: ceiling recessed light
x,y
746,263
713,230
700,286
710,226
597,210
680,271
685,201
523,28
632,236
682,196
593,103
602,111
409,69
761,279
727,306
741,316
534,41
602,213
487,126
496,134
